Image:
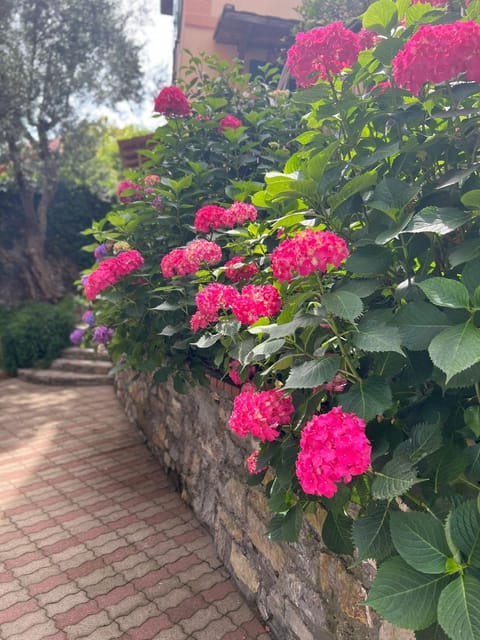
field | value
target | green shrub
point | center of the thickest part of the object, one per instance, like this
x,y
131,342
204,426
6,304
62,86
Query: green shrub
x,y
34,334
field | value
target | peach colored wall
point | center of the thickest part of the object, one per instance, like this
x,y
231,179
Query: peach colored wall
x,y
200,18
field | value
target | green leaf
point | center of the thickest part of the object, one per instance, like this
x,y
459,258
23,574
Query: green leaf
x,y
448,463
420,540
285,527
263,350
368,398
337,533
313,373
418,323
361,288
316,165
455,349
397,476
445,292
459,608
435,632
206,341
466,251
371,259
439,220
426,439
465,530
287,328
392,195
371,534
404,596
358,184
377,337
380,16
343,304
471,415
471,199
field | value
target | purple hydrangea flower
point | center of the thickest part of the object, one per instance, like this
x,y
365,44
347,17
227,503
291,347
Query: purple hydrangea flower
x,y
89,318
100,252
102,334
84,280
77,336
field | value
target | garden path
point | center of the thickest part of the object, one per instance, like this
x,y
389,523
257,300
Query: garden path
x,y
94,542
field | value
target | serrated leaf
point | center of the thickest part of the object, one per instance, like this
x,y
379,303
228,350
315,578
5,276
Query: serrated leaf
x,y
369,260
455,349
379,16
285,527
358,184
392,195
371,534
377,337
316,165
206,341
343,304
445,292
396,477
473,460
464,252
471,275
405,597
465,530
361,288
426,439
459,608
449,463
441,220
419,538
287,328
368,398
418,323
471,415
264,350
337,533
313,373
435,632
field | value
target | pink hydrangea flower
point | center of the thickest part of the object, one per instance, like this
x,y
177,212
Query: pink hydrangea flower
x,y
337,384
171,101
110,271
239,213
151,179
322,52
251,464
333,448
185,260
127,184
229,122
210,301
307,252
210,217
233,374
256,301
237,270
261,413
438,53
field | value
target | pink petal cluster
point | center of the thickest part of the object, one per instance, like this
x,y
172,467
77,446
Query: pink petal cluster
x,y
212,217
434,3
307,252
127,184
233,374
186,260
368,39
333,448
337,384
261,413
171,101
256,301
251,464
110,271
210,301
151,179
322,53
229,122
437,53
237,269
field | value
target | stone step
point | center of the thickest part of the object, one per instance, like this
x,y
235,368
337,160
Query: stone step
x,y
78,353
66,378
81,366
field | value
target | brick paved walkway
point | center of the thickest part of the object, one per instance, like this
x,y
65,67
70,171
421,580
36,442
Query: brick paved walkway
x,y
94,543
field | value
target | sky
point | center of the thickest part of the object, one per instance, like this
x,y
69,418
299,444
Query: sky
x,y
155,33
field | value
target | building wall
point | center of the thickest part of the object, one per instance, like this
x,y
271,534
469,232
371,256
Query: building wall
x,y
199,19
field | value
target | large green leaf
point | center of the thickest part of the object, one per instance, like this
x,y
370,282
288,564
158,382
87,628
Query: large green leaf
x,y
360,287
459,608
379,16
434,632
371,534
287,328
468,250
343,304
358,184
471,199
370,259
264,350
420,540
465,530
426,438
397,476
285,527
471,276
418,323
377,336
313,373
404,596
445,292
392,195
455,349
316,165
337,533
439,220
368,398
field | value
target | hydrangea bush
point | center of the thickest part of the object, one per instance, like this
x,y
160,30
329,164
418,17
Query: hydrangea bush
x,y
342,296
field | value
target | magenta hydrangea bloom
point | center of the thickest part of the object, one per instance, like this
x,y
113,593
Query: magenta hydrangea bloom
x,y
229,122
237,269
210,300
127,184
251,463
256,301
260,413
110,271
333,448
171,101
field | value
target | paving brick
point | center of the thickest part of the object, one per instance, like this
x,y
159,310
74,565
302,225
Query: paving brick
x,y
187,608
41,630
216,629
66,604
47,584
219,591
76,614
24,623
16,611
194,572
241,615
38,576
95,577
91,627
200,619
11,598
57,594
137,617
188,561
104,586
150,628
158,591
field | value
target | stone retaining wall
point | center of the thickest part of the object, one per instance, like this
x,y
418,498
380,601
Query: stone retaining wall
x,y
302,590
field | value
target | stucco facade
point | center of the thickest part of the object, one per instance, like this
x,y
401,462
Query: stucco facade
x,y
252,30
